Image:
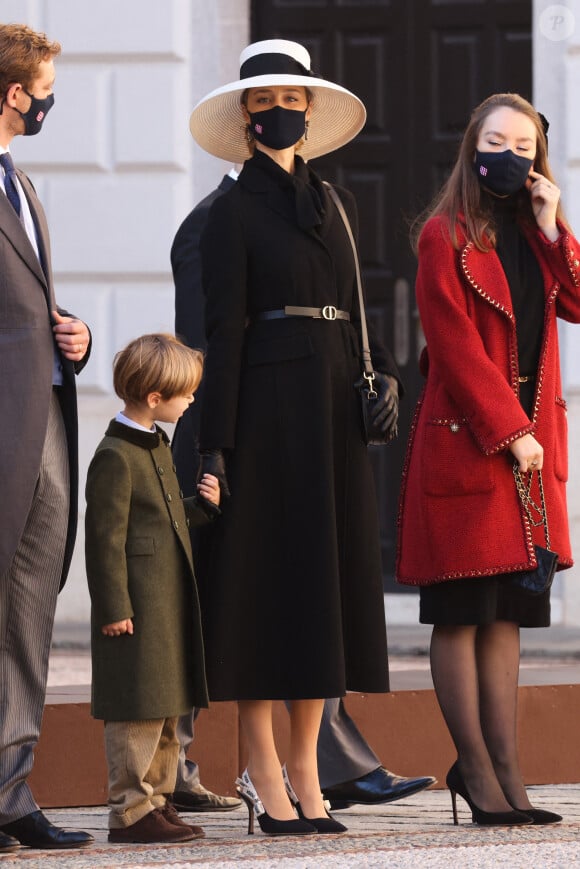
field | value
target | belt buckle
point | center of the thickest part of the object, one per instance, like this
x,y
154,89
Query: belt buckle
x,y
329,312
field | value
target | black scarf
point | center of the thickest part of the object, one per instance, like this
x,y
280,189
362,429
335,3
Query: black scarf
x,y
304,186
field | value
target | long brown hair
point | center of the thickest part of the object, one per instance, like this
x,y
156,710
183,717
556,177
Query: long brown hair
x,y
461,198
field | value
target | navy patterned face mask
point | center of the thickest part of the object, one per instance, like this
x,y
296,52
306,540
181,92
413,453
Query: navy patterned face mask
x,y
502,172
278,128
34,116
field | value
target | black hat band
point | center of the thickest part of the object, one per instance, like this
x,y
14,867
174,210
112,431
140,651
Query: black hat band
x,y
272,64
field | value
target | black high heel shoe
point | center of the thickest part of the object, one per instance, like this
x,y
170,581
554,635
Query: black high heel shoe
x,y
270,826
541,816
322,825
456,786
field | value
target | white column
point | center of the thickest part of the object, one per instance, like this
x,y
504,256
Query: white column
x,y
556,86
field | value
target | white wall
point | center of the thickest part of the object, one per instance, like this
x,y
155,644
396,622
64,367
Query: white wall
x,y
117,171
556,89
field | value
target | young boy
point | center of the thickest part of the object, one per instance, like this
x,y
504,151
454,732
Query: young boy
x,y
147,651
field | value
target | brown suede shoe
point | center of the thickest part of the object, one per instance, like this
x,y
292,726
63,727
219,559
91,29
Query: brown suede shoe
x,y
154,827
171,815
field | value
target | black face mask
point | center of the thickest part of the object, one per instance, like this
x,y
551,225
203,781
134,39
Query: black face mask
x,y
278,128
34,116
502,172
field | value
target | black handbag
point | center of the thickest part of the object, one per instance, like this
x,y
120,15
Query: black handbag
x,y
370,388
539,580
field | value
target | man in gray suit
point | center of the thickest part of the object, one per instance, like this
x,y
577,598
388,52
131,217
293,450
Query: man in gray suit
x,y
349,770
41,350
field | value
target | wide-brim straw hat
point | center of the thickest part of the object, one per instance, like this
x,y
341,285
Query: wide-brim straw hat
x,y
217,123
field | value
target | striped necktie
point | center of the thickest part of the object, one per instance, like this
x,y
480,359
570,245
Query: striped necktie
x,y
10,181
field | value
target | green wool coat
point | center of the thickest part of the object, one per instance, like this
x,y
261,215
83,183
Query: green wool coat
x,y
139,566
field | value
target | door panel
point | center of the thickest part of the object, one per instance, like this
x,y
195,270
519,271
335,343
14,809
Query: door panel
x,y
420,67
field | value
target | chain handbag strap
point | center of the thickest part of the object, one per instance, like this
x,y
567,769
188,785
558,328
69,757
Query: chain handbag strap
x,y
528,503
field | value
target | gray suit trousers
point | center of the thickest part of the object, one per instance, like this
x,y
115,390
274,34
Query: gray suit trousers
x,y
187,770
343,752
28,594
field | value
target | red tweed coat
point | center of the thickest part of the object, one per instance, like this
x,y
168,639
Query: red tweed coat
x,y
459,513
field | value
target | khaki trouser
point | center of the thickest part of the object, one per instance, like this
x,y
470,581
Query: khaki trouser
x,y
142,759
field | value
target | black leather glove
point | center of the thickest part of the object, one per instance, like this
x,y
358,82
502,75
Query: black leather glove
x,y
212,462
385,409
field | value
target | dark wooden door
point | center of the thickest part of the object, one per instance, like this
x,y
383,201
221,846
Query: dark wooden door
x,y
420,67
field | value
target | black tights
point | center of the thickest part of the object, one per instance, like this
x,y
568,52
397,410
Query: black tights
x,y
475,674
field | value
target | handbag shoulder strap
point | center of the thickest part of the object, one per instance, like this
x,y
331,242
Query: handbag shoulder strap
x,y
366,352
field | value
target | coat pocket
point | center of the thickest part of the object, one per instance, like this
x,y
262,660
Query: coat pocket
x,y
452,462
139,546
561,440
282,349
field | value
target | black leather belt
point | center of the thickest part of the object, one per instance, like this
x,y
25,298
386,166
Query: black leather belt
x,y
328,312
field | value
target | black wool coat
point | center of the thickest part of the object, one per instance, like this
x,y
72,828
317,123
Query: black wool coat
x,y
189,326
292,596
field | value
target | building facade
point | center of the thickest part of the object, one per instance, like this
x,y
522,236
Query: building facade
x,y
117,171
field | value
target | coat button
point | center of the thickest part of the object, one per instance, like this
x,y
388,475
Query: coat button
x,y
160,470
180,494
168,496
187,522
176,524
174,468
454,427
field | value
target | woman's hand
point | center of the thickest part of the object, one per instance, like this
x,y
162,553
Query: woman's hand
x,y
212,462
528,453
117,628
209,488
545,197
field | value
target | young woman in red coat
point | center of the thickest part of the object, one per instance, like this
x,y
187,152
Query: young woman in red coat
x,y
497,266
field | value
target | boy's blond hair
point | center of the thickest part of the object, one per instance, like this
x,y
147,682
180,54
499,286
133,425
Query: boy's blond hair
x,y
156,363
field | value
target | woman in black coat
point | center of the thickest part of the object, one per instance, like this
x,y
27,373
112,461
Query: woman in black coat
x,y
292,593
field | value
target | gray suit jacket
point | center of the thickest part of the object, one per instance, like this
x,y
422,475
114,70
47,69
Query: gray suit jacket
x,y
26,366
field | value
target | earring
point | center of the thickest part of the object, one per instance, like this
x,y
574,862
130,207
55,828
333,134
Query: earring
x,y
306,125
249,134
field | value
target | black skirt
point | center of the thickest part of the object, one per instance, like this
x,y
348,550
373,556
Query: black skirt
x,y
481,600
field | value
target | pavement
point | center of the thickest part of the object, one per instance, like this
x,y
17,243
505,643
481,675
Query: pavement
x,y
411,834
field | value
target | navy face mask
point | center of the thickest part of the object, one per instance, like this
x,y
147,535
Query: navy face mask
x,y
34,116
278,128
502,172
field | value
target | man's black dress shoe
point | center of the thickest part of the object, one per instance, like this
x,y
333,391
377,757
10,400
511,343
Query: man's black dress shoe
x,y
36,831
202,800
8,843
378,786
